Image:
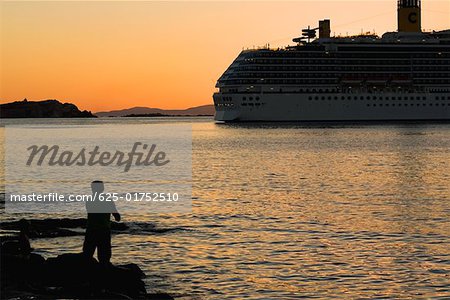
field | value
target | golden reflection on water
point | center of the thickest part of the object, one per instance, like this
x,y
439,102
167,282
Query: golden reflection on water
x,y
282,211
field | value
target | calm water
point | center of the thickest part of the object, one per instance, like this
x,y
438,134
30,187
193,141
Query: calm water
x,y
289,211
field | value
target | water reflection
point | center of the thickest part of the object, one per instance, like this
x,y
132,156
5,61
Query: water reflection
x,y
282,211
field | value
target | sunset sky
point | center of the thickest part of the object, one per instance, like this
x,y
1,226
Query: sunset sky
x,y
115,54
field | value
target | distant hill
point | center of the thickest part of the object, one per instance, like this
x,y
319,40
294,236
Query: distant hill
x,y
42,109
204,110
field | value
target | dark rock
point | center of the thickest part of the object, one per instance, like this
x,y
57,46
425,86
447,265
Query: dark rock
x,y
48,228
42,109
72,275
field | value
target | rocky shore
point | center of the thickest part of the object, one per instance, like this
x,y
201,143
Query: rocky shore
x,y
42,109
67,276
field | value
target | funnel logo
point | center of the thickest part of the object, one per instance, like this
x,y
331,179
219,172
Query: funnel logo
x,y
412,17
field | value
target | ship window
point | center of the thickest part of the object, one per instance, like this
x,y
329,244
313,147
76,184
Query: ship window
x,y
342,98
257,98
317,98
251,98
244,98
309,98
323,98
368,98
424,104
418,104
362,98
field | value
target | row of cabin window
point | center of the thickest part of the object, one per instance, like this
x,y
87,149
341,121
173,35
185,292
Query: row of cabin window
x,y
339,55
377,98
381,61
250,98
406,104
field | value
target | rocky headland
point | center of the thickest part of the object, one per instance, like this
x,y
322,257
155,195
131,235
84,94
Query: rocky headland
x,y
42,109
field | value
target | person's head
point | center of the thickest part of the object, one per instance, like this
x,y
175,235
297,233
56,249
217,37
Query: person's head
x,y
97,186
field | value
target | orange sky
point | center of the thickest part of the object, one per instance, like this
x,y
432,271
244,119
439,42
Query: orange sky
x,y
112,55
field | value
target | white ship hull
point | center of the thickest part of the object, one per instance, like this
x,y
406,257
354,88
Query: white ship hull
x,y
241,107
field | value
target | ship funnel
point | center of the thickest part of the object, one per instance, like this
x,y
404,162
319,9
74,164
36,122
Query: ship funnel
x,y
324,29
409,18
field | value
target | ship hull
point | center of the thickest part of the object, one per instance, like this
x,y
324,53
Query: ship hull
x,y
332,107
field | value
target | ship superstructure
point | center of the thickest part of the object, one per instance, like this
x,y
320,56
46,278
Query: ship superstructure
x,y
403,75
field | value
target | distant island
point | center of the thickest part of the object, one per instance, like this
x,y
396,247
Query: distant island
x,y
42,109
204,110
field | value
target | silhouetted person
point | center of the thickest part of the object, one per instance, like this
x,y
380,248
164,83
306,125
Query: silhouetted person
x,y
98,230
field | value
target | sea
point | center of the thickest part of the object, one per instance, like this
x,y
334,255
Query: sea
x,y
291,211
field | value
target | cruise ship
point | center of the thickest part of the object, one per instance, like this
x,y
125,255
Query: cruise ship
x,y
400,76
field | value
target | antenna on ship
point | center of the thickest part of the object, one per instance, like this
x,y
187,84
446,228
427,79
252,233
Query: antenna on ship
x,y
310,33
